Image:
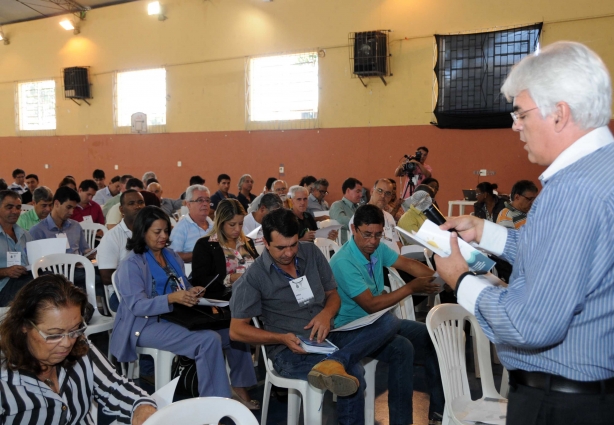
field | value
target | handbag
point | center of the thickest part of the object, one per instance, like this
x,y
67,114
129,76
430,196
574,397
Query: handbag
x,y
187,386
199,317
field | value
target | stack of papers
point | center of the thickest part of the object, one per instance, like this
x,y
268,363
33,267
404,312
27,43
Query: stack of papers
x,y
324,231
315,347
213,303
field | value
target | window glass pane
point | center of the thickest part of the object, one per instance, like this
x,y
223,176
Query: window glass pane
x,y
284,87
37,105
141,91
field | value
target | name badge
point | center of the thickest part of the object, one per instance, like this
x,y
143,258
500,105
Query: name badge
x,y
180,283
87,219
302,290
13,259
240,269
63,235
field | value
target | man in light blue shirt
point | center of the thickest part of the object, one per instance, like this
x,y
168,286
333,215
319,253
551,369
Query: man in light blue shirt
x,y
195,225
13,241
553,324
103,195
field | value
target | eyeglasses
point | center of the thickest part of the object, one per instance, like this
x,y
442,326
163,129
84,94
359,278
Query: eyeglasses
x,y
376,236
56,338
531,199
386,194
201,201
517,117
321,191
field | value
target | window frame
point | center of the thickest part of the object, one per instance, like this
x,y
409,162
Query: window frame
x,y
19,113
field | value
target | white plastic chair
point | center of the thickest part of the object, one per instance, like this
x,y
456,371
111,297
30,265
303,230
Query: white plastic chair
x,y
415,252
202,410
163,360
173,221
445,324
405,309
326,246
26,208
311,396
90,230
65,264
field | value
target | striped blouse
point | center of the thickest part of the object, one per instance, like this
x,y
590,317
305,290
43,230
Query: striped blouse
x,y
26,400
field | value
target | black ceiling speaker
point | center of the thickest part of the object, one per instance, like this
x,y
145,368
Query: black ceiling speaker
x,y
371,54
76,83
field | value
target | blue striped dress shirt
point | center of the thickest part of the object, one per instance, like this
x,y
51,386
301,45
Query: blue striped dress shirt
x,y
557,315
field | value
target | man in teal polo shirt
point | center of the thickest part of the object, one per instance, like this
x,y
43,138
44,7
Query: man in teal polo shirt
x,y
358,268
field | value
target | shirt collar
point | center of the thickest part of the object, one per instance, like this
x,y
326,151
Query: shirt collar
x,y
582,147
268,260
359,255
50,223
348,202
122,224
16,228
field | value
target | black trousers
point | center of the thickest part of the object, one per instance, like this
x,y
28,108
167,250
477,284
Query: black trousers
x,y
12,287
532,406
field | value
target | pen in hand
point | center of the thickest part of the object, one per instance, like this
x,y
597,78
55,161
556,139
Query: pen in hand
x,y
208,284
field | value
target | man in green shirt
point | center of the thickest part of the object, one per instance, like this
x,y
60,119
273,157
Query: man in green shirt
x,y
343,210
43,202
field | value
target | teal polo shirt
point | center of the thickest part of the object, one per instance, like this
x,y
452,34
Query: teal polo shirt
x,y
352,273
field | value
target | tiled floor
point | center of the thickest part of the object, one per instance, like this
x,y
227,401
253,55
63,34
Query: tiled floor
x,y
278,406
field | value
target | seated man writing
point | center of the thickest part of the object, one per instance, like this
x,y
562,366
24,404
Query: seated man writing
x,y
269,290
358,268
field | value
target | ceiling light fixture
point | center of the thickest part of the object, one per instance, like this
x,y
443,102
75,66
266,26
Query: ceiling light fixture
x,y
68,25
4,38
155,8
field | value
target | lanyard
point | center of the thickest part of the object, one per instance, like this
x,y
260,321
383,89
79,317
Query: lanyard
x,y
286,275
171,276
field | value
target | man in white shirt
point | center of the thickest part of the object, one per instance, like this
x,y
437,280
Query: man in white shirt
x,y
112,247
269,202
382,192
19,185
195,224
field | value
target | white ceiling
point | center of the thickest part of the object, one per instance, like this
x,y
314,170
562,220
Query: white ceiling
x,y
12,11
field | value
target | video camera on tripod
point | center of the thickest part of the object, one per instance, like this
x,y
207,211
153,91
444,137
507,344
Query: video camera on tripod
x,y
410,167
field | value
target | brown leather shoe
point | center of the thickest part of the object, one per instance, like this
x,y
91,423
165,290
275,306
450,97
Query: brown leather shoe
x,y
331,375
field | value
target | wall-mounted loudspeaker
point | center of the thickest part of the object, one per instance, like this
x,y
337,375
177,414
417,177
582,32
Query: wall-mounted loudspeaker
x,y
76,83
370,54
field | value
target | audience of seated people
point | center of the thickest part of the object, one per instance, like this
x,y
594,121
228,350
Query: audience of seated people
x,y
141,248
219,260
514,215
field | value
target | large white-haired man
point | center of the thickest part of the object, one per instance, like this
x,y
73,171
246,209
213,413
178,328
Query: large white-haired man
x,y
553,325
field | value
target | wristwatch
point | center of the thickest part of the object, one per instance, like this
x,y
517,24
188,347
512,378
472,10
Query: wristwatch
x,y
462,276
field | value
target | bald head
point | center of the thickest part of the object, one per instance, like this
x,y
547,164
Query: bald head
x,y
156,188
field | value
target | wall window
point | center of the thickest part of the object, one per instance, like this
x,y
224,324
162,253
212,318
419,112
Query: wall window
x,y
283,89
470,70
141,91
36,106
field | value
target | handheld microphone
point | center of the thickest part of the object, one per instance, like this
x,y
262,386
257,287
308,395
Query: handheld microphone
x,y
433,214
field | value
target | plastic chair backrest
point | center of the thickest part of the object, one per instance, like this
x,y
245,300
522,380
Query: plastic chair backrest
x,y
326,246
267,363
26,207
405,308
114,282
90,230
173,222
65,265
202,410
415,252
445,324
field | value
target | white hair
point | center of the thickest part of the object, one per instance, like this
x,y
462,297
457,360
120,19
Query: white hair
x,y
569,72
148,175
296,188
242,179
189,192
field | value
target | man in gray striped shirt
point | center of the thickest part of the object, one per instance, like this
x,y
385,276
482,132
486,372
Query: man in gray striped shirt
x,y
553,325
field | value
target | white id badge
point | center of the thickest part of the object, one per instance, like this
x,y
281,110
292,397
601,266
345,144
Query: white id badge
x,y
13,259
63,235
181,284
302,290
87,219
240,269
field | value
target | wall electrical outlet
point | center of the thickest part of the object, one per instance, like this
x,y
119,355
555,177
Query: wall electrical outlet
x,y
178,163
483,172
117,167
282,170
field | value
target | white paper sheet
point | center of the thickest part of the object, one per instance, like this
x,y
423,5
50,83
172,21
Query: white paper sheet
x,y
42,247
256,233
363,321
164,396
323,232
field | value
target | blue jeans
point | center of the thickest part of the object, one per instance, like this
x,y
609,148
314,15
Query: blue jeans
x,y
353,347
412,345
